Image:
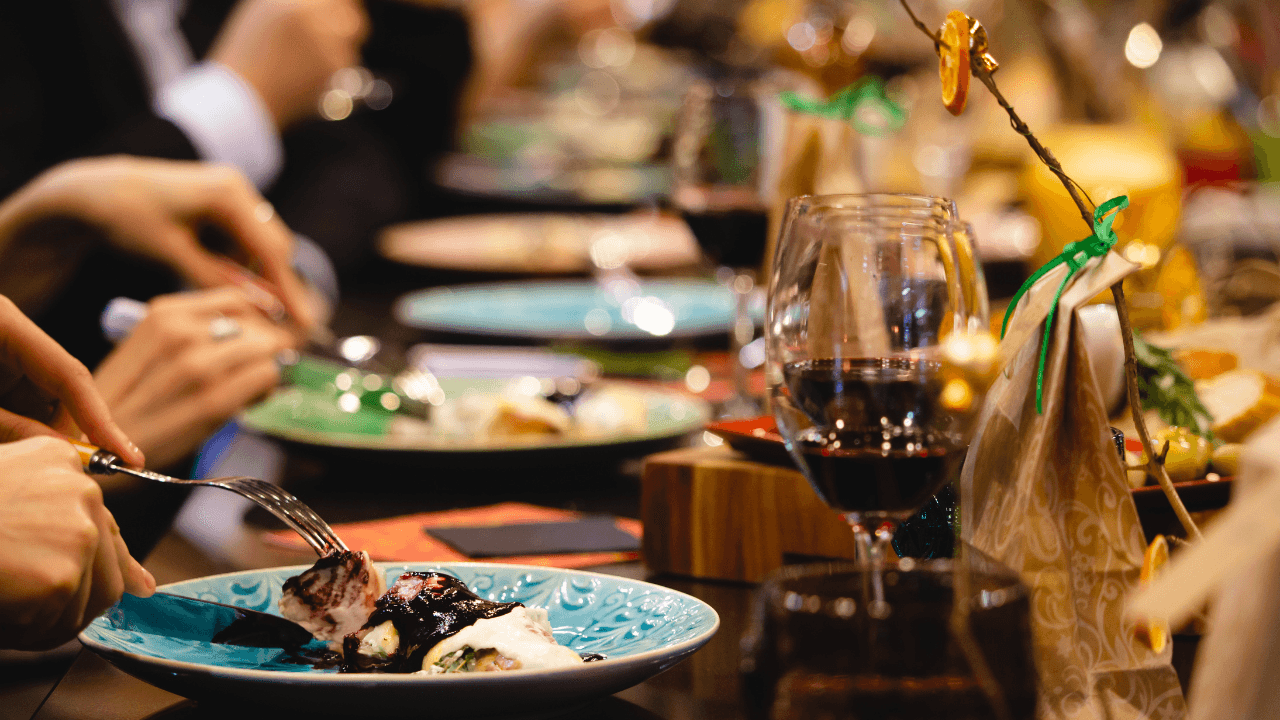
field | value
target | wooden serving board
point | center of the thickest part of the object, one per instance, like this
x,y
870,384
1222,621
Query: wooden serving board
x,y
712,513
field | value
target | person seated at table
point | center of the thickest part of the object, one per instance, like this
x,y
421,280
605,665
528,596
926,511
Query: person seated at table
x,y
198,357
148,214
240,82
62,558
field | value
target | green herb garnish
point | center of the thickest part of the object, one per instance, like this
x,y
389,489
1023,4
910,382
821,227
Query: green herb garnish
x,y
462,660
1163,387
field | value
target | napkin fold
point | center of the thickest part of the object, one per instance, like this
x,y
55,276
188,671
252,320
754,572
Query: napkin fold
x,y
1043,494
588,534
816,156
1236,569
401,539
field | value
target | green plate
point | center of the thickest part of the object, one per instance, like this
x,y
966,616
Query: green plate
x,y
312,416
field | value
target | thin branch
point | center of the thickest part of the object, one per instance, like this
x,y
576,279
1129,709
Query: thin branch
x,y
1155,465
937,40
1042,152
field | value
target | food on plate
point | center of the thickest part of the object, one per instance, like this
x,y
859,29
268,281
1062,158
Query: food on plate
x,y
427,622
516,416
1152,632
1226,459
1202,364
1188,456
612,410
473,416
1240,401
1135,472
334,597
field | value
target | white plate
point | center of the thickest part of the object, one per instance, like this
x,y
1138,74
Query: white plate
x,y
542,243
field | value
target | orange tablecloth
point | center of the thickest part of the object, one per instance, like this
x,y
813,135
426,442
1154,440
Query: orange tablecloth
x,y
401,539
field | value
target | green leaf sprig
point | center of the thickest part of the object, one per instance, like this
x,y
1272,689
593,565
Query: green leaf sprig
x,y
1165,388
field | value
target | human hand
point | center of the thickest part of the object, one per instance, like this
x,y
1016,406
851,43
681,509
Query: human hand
x,y
153,208
27,350
171,383
61,555
287,49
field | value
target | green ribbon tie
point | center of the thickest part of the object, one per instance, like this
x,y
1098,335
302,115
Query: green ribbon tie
x,y
849,105
1075,255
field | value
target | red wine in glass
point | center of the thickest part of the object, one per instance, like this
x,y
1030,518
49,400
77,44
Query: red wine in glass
x,y
879,442
732,237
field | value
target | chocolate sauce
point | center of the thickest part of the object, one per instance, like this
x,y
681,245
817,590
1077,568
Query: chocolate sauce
x,y
317,593
320,659
593,657
441,608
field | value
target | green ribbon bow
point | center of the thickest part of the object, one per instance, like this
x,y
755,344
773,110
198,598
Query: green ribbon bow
x,y
1074,255
850,105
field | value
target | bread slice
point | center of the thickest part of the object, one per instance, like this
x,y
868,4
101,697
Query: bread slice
x,y
1202,364
1240,401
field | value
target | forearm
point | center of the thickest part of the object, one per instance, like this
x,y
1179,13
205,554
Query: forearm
x,y
32,201
502,34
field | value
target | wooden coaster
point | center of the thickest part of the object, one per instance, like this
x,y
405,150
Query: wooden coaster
x,y
711,513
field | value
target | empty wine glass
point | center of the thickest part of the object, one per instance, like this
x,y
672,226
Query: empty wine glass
x,y
956,645
865,295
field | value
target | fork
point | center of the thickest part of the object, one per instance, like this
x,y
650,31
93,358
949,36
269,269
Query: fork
x,y
292,511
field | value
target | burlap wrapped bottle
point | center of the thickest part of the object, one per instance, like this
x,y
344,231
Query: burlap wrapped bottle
x,y
1045,494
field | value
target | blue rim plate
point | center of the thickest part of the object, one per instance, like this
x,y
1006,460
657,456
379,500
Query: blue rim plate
x,y
642,628
572,310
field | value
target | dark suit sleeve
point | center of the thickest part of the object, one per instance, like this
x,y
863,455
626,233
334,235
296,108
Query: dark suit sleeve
x,y
426,55
149,135
70,87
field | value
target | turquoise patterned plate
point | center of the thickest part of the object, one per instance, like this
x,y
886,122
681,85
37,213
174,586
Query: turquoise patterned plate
x,y
642,628
573,310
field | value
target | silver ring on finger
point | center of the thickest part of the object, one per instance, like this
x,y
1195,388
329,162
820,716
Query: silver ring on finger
x,y
223,328
264,211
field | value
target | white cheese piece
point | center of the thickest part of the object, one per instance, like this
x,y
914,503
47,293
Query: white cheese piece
x,y
523,635
381,642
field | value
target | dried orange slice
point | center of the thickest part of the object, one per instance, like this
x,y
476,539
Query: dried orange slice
x,y
1155,633
953,61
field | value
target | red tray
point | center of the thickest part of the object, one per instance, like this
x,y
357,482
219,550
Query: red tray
x,y
758,439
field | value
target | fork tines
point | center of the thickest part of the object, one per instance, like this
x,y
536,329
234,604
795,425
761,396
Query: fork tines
x,y
289,509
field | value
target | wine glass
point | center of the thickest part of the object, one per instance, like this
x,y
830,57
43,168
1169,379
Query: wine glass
x,y
719,175
866,293
956,644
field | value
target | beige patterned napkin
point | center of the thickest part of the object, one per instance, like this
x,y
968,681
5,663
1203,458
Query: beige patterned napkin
x,y
1046,495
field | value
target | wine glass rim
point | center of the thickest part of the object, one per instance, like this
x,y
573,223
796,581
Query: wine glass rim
x,y
946,204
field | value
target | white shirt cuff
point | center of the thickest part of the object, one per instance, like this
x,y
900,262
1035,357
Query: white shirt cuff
x,y
225,120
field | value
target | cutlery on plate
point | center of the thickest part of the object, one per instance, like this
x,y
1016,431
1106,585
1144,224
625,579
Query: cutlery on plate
x,y
289,509
187,618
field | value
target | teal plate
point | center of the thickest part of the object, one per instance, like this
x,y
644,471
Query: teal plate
x,y
572,310
641,628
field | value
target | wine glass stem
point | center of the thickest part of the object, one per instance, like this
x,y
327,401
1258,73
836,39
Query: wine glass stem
x,y
741,404
873,548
